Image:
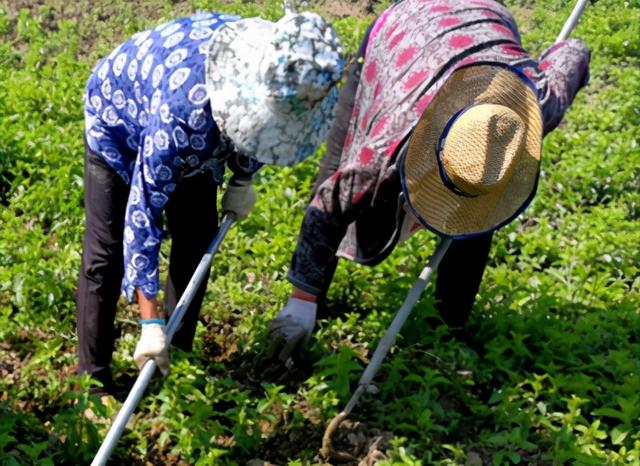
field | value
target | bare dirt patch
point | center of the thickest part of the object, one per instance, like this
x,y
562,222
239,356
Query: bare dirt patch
x,y
95,19
346,8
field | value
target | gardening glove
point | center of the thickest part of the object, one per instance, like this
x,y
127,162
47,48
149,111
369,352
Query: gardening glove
x,y
153,345
290,326
239,198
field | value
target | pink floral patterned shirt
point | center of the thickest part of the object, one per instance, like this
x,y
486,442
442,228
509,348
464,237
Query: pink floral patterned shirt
x,y
412,49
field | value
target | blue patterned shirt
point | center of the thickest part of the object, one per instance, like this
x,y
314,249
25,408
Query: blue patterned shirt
x,y
147,114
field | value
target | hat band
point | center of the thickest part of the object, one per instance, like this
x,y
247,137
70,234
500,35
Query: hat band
x,y
440,147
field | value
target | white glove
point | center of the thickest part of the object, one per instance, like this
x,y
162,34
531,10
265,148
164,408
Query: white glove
x,y
239,198
153,345
292,324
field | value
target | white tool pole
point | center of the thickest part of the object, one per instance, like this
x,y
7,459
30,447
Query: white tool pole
x,y
118,425
571,23
389,337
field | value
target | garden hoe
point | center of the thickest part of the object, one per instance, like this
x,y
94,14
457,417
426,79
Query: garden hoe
x,y
365,383
149,367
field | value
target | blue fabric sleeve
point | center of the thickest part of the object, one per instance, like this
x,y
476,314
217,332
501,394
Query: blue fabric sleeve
x,y
155,175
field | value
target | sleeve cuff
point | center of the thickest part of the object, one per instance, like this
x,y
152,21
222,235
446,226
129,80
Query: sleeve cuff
x,y
129,290
240,180
152,321
302,285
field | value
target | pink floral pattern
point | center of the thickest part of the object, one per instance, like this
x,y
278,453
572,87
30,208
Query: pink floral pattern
x,y
412,49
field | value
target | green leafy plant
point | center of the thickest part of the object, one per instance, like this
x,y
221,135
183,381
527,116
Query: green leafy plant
x,y
548,373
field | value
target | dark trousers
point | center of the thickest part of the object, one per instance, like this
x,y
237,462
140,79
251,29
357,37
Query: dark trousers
x,y
460,272
192,223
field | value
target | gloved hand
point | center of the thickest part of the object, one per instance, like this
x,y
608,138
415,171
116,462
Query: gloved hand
x,y
239,198
153,345
292,324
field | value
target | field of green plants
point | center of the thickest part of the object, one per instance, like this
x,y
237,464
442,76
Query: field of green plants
x,y
549,376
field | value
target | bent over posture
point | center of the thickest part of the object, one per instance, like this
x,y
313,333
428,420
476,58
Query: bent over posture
x,y
165,113
439,125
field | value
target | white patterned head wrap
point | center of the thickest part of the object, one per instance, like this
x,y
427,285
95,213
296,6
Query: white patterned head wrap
x,y
272,85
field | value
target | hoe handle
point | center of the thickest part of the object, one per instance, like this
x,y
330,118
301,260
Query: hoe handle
x,y
370,371
402,314
118,425
572,21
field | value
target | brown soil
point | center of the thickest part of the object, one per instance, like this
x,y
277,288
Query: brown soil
x,y
346,8
365,443
92,16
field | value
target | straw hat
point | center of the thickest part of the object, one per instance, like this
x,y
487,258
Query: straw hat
x,y
272,85
471,164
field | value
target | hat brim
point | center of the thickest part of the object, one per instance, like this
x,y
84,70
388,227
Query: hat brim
x,y
436,206
241,108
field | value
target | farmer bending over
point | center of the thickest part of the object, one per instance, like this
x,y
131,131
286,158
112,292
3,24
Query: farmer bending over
x,y
439,125
165,113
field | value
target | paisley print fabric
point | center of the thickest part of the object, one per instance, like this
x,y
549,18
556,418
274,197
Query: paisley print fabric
x,y
272,85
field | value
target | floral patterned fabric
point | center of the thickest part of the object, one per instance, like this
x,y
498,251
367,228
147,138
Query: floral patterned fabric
x,y
412,49
272,85
147,114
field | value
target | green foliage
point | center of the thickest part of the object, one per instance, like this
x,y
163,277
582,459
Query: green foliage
x,y
339,370
549,373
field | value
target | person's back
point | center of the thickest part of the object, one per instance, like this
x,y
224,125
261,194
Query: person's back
x,y
127,98
165,114
363,202
410,52
413,48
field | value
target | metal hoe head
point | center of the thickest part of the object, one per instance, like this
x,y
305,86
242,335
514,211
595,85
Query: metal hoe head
x,y
365,382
